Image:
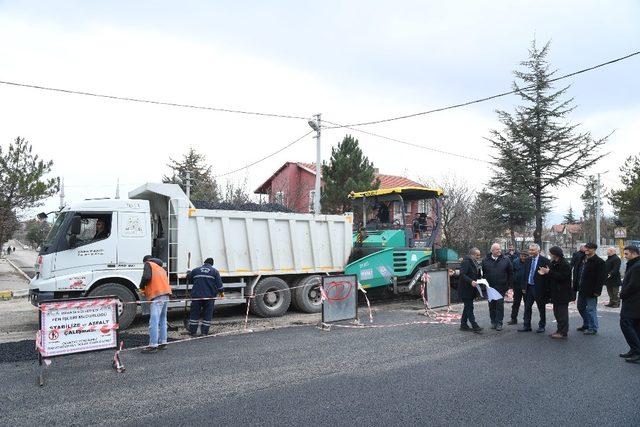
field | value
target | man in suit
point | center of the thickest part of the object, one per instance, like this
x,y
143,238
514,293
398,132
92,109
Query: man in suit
x,y
614,280
534,288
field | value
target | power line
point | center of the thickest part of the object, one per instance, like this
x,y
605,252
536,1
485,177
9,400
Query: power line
x,y
265,157
151,101
411,144
488,98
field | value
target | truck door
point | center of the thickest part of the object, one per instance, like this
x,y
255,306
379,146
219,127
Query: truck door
x,y
134,238
92,248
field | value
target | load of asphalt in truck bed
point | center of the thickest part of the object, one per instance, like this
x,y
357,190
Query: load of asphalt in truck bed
x,y
249,207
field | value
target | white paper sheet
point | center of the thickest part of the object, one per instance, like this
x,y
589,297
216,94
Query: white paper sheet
x,y
492,294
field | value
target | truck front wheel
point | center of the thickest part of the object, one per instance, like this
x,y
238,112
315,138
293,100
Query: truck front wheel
x,y
306,294
272,297
127,311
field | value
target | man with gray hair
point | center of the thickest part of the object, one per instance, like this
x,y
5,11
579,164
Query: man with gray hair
x,y
535,289
498,271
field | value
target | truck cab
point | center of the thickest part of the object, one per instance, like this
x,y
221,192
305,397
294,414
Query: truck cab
x,y
94,245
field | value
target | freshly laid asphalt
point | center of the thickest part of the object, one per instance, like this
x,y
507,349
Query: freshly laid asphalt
x,y
420,374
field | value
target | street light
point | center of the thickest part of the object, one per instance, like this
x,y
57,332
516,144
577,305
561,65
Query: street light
x,y
316,125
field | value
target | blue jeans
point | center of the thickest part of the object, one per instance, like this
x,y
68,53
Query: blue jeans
x,y
158,321
587,307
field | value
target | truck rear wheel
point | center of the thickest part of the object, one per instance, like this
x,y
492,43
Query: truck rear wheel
x,y
126,312
273,297
306,295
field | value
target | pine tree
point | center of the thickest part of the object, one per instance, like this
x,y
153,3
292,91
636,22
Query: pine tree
x,y
570,218
589,199
22,183
348,170
538,148
203,184
511,203
626,201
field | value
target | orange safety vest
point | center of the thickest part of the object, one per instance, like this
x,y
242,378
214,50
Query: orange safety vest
x,y
159,283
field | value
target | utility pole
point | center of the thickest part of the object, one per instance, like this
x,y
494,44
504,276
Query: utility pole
x,y
118,189
61,191
317,126
598,195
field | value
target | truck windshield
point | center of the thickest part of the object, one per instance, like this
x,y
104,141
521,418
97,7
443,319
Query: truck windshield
x,y
53,233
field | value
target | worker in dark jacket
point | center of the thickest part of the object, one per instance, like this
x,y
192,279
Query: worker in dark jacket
x,y
592,274
613,282
535,289
206,284
630,312
559,285
518,284
467,289
498,271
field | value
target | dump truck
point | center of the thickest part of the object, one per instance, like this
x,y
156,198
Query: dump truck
x,y
96,247
397,238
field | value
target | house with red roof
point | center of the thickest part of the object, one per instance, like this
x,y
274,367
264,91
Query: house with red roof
x,y
293,183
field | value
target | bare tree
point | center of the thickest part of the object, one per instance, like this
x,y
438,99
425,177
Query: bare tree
x,y
456,206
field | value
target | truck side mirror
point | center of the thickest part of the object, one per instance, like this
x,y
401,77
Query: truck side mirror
x,y
76,223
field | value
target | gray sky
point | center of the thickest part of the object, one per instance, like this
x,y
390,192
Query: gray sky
x,y
350,60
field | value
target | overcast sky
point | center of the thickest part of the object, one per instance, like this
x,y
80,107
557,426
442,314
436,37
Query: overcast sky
x,y
349,60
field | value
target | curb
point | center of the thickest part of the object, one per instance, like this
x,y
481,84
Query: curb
x,y
19,270
7,294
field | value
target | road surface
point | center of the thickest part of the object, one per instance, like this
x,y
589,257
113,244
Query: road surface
x,y
25,259
422,374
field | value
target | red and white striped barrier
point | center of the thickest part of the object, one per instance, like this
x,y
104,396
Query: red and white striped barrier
x,y
77,304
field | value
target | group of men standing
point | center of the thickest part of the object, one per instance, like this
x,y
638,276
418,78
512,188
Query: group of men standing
x,y
536,279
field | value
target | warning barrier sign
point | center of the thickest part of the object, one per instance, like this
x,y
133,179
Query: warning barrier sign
x,y
339,298
77,325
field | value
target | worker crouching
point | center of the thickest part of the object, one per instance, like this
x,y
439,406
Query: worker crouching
x,y
206,284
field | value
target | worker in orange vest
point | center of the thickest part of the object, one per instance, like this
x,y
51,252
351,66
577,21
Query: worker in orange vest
x,y
155,286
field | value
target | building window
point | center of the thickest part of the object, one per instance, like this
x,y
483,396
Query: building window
x,y
279,198
424,206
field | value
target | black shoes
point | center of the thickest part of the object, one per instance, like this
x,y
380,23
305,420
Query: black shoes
x,y
525,329
581,329
633,359
498,327
540,330
149,350
465,327
162,347
512,322
590,332
627,354
477,329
